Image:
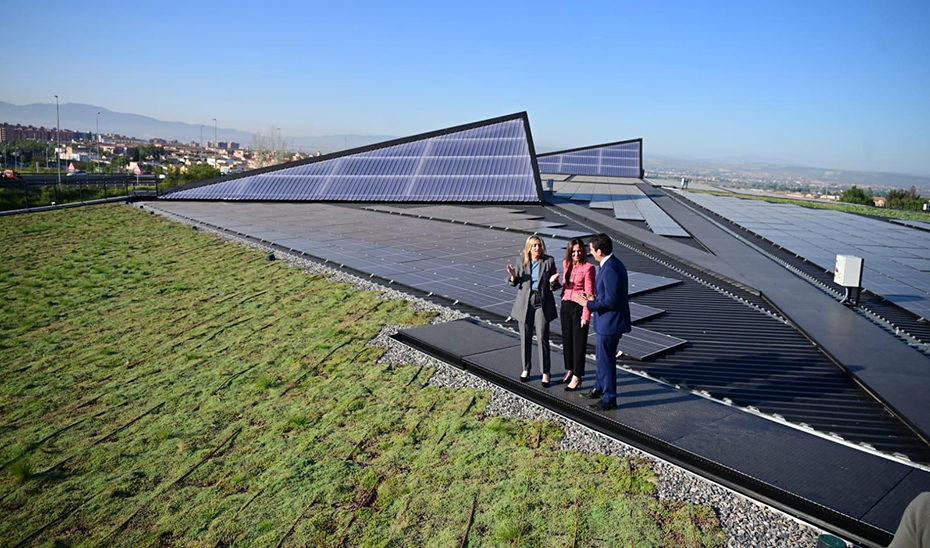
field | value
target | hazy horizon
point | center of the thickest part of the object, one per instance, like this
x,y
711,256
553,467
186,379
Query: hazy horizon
x,y
842,85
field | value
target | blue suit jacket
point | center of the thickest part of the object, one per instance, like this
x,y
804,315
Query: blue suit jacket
x,y
611,307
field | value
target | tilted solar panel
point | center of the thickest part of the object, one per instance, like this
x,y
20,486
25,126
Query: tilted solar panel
x,y
621,159
489,161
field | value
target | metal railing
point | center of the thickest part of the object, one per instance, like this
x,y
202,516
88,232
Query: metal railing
x,y
32,191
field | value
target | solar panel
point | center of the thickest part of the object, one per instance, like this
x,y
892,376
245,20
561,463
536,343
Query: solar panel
x,y
510,219
641,312
642,343
622,159
602,197
600,179
641,282
624,198
913,224
440,258
564,233
893,253
658,220
488,161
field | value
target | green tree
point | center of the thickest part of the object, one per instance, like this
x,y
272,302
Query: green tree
x,y
151,152
119,162
905,199
856,195
200,172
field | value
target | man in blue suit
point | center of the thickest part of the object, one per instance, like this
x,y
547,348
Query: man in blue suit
x,y
611,308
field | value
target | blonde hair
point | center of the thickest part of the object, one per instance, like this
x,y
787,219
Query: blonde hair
x,y
529,245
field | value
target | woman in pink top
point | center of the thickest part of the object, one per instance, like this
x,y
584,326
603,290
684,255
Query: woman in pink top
x,y
578,278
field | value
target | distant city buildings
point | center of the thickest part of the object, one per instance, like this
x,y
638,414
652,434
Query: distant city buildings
x,y
79,146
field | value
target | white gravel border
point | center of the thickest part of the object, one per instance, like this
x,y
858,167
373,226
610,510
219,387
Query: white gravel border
x,y
746,522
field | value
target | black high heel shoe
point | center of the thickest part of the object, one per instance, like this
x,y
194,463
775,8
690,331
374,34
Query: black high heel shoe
x,y
545,384
568,387
525,379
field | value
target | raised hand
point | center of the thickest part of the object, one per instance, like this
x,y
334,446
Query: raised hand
x,y
554,278
512,271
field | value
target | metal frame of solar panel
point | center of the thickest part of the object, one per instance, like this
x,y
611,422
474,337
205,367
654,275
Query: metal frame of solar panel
x,y
488,161
430,256
819,235
617,159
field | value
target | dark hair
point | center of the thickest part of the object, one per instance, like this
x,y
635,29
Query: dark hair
x,y
602,243
569,259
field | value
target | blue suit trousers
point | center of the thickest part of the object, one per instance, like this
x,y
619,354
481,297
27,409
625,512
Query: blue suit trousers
x,y
606,355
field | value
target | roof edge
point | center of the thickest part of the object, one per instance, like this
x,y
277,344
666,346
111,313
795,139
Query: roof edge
x,y
579,149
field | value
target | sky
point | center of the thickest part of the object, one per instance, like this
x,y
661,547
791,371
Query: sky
x,y
842,85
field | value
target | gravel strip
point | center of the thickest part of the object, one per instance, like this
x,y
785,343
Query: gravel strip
x,y
745,521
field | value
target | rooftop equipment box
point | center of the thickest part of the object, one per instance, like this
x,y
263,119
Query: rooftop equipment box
x,y
848,271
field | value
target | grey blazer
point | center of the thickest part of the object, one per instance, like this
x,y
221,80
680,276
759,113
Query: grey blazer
x,y
524,281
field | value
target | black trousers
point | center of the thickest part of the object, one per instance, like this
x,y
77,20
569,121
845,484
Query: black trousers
x,y
574,337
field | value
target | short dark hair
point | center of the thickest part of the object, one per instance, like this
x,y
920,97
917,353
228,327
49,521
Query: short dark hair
x,y
602,243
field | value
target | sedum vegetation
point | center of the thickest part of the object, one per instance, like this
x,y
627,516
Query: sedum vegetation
x,y
163,387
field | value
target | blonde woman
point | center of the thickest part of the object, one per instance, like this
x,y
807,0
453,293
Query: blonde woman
x,y
535,305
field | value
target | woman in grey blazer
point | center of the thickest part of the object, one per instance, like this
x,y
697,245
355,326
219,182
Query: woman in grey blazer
x,y
535,305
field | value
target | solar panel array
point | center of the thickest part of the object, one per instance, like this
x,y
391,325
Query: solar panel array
x,y
490,163
627,201
491,217
614,160
463,263
658,220
897,258
913,224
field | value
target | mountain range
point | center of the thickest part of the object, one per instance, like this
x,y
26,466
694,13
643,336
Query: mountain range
x,y
80,117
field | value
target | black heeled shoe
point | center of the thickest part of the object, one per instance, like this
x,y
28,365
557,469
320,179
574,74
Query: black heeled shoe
x,y
545,384
525,379
568,387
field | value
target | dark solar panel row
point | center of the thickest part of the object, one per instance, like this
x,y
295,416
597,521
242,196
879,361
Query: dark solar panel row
x,y
913,224
489,163
445,259
616,160
897,258
492,217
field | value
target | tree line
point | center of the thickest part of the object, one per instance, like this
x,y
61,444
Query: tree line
x,y
908,199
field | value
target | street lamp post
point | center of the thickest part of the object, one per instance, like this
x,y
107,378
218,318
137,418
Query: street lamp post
x,y
98,142
274,146
58,140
